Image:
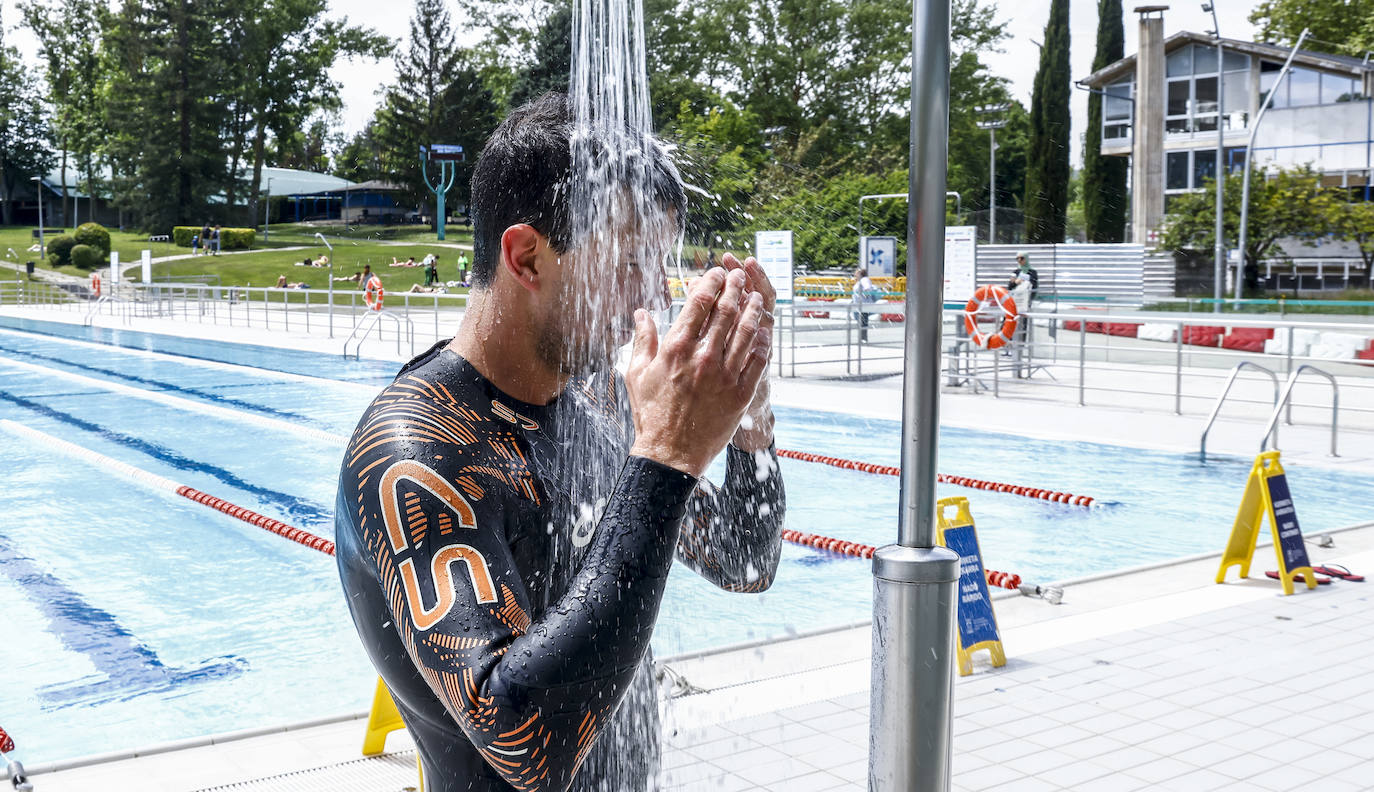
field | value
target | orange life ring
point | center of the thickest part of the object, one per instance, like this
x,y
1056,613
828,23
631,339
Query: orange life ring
x,y
373,294
997,297
95,283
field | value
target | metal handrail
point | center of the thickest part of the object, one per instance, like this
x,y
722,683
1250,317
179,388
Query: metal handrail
x,y
94,309
1288,394
372,321
1216,408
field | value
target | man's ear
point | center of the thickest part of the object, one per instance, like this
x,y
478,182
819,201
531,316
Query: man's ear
x,y
519,248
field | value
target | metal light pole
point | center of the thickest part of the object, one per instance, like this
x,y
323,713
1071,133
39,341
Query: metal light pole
x,y
913,580
38,191
266,216
331,281
1250,147
1219,253
992,125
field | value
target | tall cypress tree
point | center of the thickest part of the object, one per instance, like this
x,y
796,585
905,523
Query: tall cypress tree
x,y
1104,178
1047,168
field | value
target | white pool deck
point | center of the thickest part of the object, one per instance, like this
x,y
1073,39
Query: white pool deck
x,y
1154,678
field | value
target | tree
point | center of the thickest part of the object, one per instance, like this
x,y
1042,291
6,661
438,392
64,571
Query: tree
x,y
438,97
1344,27
552,63
1104,178
24,151
1284,204
306,150
1047,171
360,159
282,71
1354,222
68,35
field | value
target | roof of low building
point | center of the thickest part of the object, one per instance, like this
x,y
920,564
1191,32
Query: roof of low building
x,y
1355,67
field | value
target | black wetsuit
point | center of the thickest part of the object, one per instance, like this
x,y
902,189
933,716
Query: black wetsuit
x,y
504,564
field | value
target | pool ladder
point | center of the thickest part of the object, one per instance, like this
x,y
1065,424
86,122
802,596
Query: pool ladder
x,y
372,320
1282,400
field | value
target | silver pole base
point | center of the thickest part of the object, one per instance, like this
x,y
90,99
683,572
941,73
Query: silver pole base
x,y
914,591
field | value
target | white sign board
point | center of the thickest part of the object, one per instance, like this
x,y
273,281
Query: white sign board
x,y
114,270
147,266
961,263
878,255
773,249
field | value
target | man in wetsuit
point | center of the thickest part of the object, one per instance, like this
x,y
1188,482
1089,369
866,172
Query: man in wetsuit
x,y
509,507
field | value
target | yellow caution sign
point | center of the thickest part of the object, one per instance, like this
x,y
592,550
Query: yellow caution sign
x,y
382,720
1266,493
977,623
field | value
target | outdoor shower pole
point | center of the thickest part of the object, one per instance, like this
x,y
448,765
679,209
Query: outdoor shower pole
x,y
914,581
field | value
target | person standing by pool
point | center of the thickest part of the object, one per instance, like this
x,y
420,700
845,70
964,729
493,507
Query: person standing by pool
x,y
859,296
462,267
509,507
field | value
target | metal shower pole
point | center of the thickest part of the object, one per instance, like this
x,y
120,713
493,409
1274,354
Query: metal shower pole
x,y
914,581
1249,149
1219,250
331,281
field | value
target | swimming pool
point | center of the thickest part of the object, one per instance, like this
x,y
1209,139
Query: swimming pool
x,y
134,617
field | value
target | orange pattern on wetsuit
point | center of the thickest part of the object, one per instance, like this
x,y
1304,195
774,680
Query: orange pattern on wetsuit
x,y
507,665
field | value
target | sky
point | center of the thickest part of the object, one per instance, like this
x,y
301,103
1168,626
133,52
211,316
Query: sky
x,y
1025,24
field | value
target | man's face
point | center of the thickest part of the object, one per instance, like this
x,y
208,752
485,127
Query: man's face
x,y
599,286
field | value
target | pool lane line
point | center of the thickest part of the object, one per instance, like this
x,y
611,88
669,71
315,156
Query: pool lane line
x,y
1006,580
164,484
177,402
171,386
291,503
944,478
210,363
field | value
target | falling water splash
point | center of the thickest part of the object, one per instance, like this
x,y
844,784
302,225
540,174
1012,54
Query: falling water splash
x,y
625,233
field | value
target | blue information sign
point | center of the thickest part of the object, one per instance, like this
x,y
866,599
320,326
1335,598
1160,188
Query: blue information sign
x,y
976,622
1285,518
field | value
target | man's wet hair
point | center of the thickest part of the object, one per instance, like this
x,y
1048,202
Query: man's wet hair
x,y
525,176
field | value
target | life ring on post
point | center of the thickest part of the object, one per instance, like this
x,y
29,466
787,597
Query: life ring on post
x,y
985,297
373,294
95,284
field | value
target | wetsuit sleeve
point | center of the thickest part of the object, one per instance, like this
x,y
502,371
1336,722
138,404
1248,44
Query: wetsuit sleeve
x,y
733,534
531,696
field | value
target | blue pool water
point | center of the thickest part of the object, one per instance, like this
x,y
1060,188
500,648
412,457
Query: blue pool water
x,y
133,617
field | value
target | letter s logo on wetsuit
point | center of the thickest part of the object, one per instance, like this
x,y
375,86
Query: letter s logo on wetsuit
x,y
441,577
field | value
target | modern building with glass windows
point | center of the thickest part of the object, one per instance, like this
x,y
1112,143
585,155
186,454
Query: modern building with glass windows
x,y
1161,110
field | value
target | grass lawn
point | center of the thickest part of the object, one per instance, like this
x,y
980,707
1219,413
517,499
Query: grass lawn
x,y
262,268
128,244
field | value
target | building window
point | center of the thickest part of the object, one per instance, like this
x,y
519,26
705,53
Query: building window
x,y
1306,87
1191,90
1190,170
1116,111
1176,170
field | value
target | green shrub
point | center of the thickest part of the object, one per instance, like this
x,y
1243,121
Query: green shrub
x,y
229,238
87,257
60,250
237,238
95,235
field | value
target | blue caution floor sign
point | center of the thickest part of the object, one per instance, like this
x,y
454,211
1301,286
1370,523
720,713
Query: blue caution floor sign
x,y
977,622
1266,493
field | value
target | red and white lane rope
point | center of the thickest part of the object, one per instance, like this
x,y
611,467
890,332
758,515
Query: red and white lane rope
x,y
997,579
154,481
963,481
6,742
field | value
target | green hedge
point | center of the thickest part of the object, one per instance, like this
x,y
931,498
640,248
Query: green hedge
x,y
95,235
229,238
60,250
87,257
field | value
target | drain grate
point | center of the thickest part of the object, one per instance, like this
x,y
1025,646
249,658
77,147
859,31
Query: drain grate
x,y
391,772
